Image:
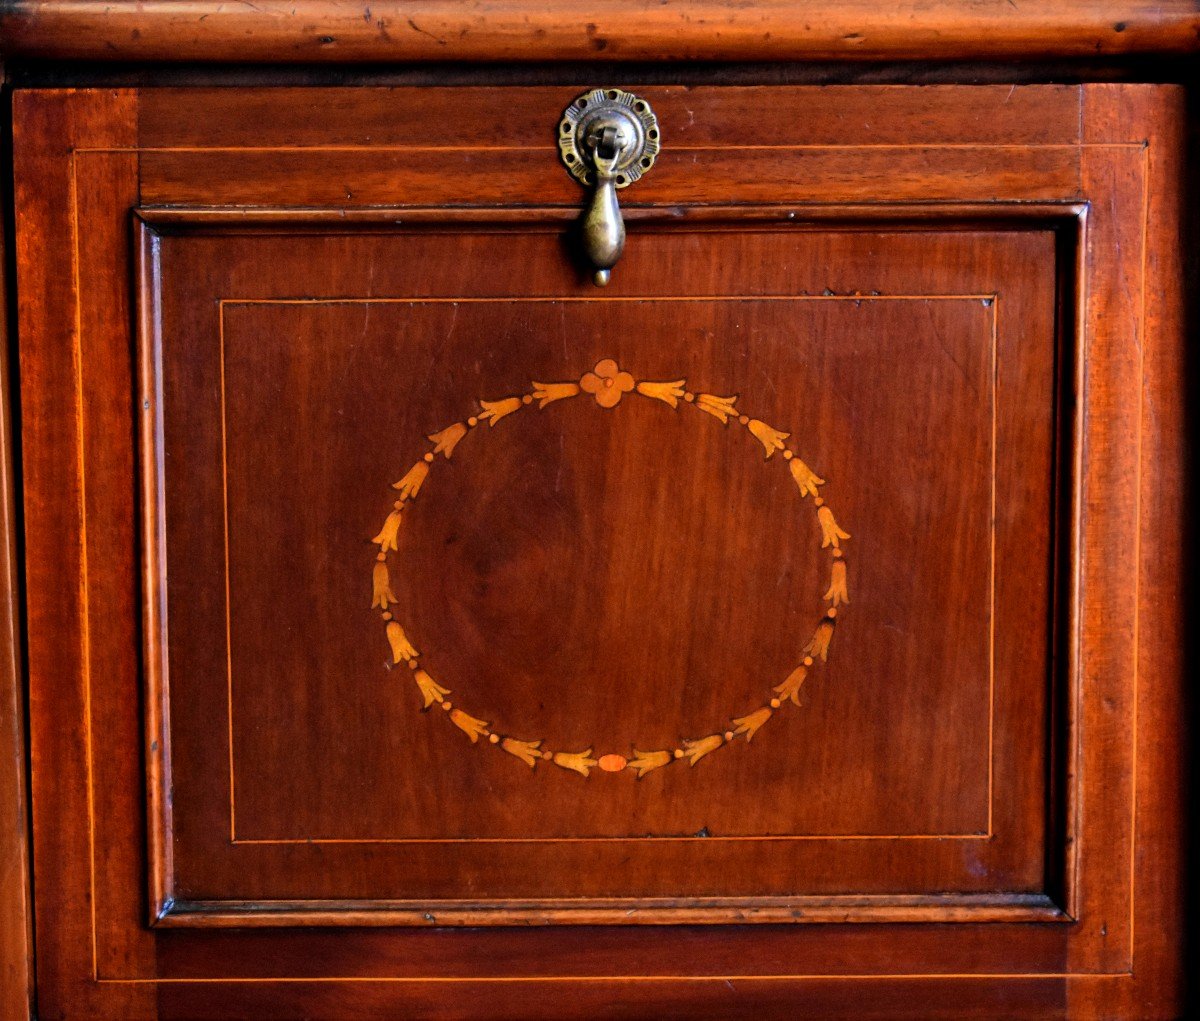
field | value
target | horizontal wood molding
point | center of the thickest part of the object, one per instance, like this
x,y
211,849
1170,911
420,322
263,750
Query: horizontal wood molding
x,y
974,908
332,31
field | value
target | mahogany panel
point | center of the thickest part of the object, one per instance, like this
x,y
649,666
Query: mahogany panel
x,y
702,118
593,952
1121,886
485,594
917,997
403,149
349,178
519,30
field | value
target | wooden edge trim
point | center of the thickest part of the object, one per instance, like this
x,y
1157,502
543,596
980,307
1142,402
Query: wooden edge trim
x,y
16,904
166,912
157,732
966,908
326,31
233,219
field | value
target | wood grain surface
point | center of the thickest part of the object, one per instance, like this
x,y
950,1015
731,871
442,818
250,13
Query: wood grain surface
x,y
997,429
16,912
517,30
529,577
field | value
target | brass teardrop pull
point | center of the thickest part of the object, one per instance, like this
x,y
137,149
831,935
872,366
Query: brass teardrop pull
x,y
607,139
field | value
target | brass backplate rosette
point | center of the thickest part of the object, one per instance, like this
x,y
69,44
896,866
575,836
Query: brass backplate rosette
x,y
611,106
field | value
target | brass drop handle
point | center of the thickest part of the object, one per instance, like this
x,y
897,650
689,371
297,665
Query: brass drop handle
x,y
607,139
603,227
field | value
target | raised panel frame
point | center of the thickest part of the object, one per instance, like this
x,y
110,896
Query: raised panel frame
x,y
170,909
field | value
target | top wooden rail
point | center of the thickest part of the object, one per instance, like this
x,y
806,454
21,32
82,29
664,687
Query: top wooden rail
x,y
308,31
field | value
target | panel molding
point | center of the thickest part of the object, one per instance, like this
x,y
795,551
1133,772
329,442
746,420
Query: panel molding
x,y
168,910
991,299
884,909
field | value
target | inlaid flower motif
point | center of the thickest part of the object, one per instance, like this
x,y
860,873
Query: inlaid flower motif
x,y
607,383
805,477
750,723
831,532
402,649
721,408
581,762
695,750
468,724
548,393
445,441
527,751
414,479
644,762
386,539
381,587
493,411
838,592
791,687
818,645
668,392
771,439
430,690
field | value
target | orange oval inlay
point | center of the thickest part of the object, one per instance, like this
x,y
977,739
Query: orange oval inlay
x,y
612,763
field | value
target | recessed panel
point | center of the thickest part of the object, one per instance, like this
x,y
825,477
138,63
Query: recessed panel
x,y
732,581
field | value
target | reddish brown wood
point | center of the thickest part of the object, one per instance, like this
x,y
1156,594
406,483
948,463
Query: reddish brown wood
x,y
1160,371
79,567
329,30
968,174
695,120
436,264
1104,196
16,910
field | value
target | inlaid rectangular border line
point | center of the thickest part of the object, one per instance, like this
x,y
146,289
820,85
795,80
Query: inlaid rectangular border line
x,y
992,301
1066,206
1051,211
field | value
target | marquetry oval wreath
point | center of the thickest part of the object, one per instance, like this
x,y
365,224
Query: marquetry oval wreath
x,y
607,385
